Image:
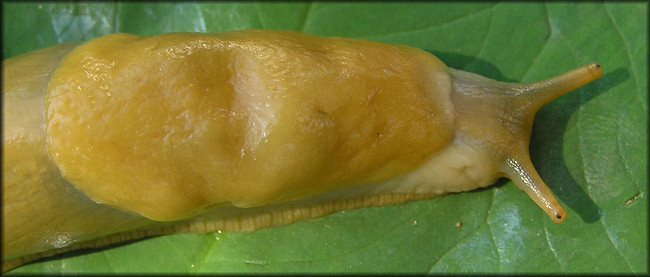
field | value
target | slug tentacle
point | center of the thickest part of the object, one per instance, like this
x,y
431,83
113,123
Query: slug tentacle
x,y
536,95
497,118
126,136
521,171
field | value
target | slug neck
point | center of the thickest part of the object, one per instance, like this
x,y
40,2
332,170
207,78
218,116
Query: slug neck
x,y
487,113
496,118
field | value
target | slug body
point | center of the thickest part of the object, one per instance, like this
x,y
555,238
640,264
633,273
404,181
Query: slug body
x,y
127,136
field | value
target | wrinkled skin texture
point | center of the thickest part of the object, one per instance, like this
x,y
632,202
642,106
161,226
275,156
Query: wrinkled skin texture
x,y
128,136
206,119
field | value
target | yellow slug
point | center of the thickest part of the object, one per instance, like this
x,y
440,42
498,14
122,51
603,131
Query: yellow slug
x,y
127,136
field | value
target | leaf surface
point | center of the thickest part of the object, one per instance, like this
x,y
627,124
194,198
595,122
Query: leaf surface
x,y
590,146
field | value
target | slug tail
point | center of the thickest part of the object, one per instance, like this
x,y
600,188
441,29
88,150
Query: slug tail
x,y
535,95
521,171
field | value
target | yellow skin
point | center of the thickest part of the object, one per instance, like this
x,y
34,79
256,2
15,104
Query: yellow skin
x,y
242,130
208,119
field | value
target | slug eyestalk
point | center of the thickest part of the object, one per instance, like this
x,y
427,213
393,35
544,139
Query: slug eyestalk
x,y
501,115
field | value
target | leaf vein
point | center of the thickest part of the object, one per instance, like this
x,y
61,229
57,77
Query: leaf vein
x,y
201,18
627,52
550,246
485,37
259,17
202,258
541,49
303,24
489,225
116,19
443,25
456,244
611,239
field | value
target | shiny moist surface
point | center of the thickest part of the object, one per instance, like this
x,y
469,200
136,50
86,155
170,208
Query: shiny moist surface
x,y
170,125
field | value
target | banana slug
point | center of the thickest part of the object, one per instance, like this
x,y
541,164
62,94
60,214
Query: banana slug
x,y
128,136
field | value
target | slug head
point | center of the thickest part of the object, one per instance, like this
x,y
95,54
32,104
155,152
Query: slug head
x,y
498,117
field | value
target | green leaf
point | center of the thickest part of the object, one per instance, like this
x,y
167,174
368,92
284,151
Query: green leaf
x,y
590,146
